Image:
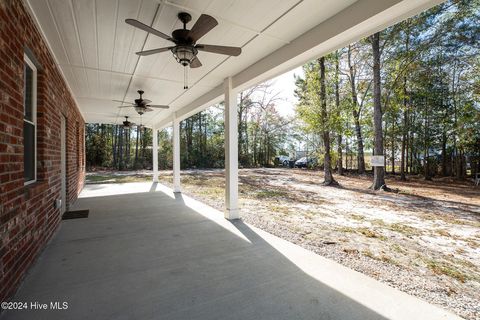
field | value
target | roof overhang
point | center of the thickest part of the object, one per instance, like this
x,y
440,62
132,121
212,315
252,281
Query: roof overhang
x,y
95,49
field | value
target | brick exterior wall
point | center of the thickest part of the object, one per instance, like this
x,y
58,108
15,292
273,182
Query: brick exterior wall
x,y
28,217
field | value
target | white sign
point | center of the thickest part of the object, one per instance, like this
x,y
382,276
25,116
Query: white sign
x,y
378,161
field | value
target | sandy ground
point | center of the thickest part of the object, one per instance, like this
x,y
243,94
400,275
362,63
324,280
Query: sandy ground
x,y
423,238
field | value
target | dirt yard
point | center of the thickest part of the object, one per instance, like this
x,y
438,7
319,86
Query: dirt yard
x,y
423,238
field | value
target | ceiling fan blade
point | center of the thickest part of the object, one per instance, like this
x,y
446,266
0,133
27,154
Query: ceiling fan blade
x,y
153,51
149,29
230,51
148,109
204,24
195,63
157,106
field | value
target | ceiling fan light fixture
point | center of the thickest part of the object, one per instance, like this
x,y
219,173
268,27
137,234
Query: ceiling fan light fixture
x,y
184,54
140,110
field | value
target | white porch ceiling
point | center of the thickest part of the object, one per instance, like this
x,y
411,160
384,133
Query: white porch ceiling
x,y
95,48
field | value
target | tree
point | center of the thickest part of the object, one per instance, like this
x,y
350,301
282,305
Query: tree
x,y
355,71
328,180
378,172
315,111
337,107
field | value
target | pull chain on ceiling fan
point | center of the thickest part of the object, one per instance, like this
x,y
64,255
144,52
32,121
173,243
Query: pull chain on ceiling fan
x,y
186,48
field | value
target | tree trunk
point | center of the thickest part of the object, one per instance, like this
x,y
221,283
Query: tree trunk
x,y
404,151
378,172
340,156
115,142
412,140
325,134
393,147
426,153
356,116
120,149
360,153
459,175
444,154
136,146
240,128
127,147
337,106
404,131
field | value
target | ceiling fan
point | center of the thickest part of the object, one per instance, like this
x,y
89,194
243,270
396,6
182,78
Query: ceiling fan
x,y
127,124
186,48
142,105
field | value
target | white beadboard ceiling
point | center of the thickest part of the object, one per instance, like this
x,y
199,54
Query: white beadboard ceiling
x,y
95,48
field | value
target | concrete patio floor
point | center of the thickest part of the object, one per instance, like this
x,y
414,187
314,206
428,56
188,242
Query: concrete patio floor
x,y
147,253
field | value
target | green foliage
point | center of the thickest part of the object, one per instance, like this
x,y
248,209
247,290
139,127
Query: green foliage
x,y
112,146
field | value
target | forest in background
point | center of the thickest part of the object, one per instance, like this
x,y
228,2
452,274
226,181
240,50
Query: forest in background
x,y
410,92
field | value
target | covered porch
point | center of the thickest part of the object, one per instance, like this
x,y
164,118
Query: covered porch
x,y
96,51
146,252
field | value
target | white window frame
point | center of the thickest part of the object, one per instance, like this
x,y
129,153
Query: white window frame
x,y
29,62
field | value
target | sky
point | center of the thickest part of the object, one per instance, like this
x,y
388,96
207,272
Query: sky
x,y
285,84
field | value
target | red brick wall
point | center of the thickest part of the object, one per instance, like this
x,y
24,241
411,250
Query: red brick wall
x,y
28,217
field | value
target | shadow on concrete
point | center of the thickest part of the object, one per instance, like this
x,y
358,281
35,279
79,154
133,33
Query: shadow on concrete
x,y
153,188
144,256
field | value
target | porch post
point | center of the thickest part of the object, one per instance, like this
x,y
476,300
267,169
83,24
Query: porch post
x,y
231,152
155,154
176,154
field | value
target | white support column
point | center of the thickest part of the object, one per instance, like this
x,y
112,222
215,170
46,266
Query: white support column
x,y
231,152
155,154
176,154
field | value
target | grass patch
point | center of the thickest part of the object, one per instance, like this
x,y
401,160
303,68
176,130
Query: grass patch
x,y
363,230
378,222
444,233
368,233
473,242
443,268
398,248
263,194
462,262
368,253
210,191
404,229
98,178
346,229
350,250
397,227
279,209
383,257
357,217
389,260
199,180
